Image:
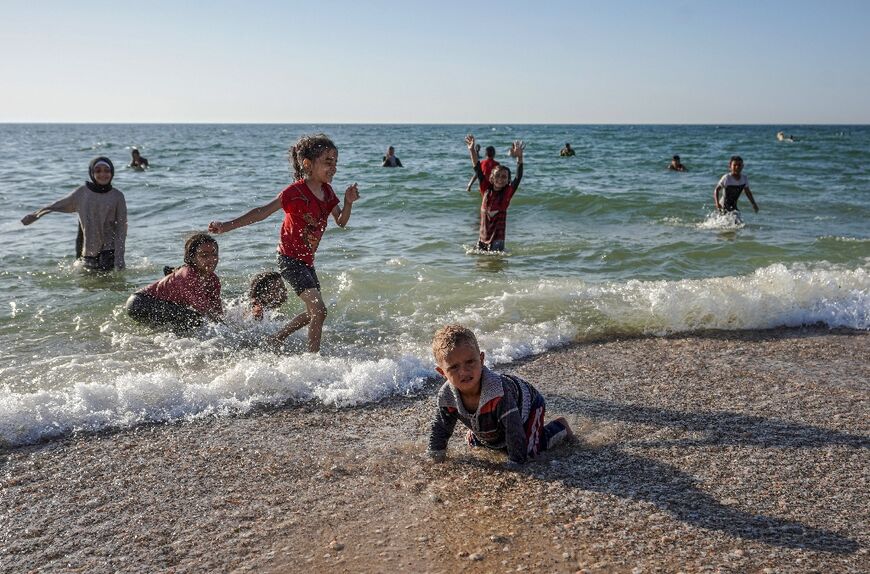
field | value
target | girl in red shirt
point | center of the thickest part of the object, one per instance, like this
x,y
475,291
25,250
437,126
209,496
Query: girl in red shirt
x,y
307,204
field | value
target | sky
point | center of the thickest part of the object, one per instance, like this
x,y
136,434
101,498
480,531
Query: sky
x,y
334,61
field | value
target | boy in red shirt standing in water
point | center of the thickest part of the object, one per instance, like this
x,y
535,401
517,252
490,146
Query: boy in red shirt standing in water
x,y
496,194
486,165
307,204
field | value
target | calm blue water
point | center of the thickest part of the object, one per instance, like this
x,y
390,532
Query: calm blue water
x,y
605,242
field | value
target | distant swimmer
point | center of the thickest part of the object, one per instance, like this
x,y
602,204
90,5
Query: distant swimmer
x,y
138,162
782,137
390,160
676,165
567,151
733,184
102,212
186,297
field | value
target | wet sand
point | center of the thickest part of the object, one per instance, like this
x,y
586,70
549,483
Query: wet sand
x,y
724,451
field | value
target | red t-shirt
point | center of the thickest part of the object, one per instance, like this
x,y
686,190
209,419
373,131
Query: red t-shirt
x,y
186,287
486,165
304,220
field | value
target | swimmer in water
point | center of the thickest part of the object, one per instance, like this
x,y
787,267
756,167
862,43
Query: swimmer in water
x,y
102,213
676,165
390,160
733,184
567,151
138,162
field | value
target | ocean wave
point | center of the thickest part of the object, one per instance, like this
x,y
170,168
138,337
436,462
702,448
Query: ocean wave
x,y
165,378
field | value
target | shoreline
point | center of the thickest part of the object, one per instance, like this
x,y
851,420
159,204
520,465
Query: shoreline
x,y
728,450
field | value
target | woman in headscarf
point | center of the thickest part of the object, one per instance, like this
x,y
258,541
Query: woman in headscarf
x,y
102,212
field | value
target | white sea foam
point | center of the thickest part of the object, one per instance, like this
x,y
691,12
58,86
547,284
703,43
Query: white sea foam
x,y
772,296
174,394
145,377
844,239
722,221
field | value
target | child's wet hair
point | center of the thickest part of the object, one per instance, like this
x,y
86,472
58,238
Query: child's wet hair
x,y
192,244
449,337
260,284
736,158
310,148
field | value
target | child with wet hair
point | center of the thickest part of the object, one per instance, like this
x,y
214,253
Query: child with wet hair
x,y
186,296
496,192
307,204
501,411
267,291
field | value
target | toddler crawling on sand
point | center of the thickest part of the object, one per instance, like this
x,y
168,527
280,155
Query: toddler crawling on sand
x,y
502,412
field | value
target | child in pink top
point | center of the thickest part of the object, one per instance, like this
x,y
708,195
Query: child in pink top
x,y
186,296
307,204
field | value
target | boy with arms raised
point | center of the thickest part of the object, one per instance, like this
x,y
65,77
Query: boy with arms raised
x,y
502,412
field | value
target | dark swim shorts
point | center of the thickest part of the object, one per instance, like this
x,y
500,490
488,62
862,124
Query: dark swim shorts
x,y
494,246
299,275
104,261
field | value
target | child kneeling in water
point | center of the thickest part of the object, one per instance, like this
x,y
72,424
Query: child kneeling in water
x,y
502,412
187,296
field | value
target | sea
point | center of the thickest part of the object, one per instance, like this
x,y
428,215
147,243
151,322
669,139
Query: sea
x,y
607,243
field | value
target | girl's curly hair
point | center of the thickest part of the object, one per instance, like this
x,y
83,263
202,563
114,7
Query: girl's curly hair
x,y
310,148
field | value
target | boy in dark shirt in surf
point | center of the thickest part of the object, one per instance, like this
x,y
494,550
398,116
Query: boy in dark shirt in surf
x,y
733,184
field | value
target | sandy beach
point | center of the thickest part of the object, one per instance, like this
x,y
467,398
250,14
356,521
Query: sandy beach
x,y
719,451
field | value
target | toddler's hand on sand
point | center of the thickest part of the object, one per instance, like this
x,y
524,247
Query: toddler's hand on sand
x,y
216,227
351,194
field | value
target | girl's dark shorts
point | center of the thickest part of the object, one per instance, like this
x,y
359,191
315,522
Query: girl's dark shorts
x,y
299,275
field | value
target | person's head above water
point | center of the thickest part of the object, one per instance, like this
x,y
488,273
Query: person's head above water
x,y
305,153
101,171
267,290
135,153
490,151
676,159
201,252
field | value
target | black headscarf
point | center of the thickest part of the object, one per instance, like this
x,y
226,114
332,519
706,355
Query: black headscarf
x,y
93,185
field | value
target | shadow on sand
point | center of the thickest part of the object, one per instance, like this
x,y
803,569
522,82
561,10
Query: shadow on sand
x,y
611,470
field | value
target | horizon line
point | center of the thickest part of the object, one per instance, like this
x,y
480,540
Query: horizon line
x,y
230,123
